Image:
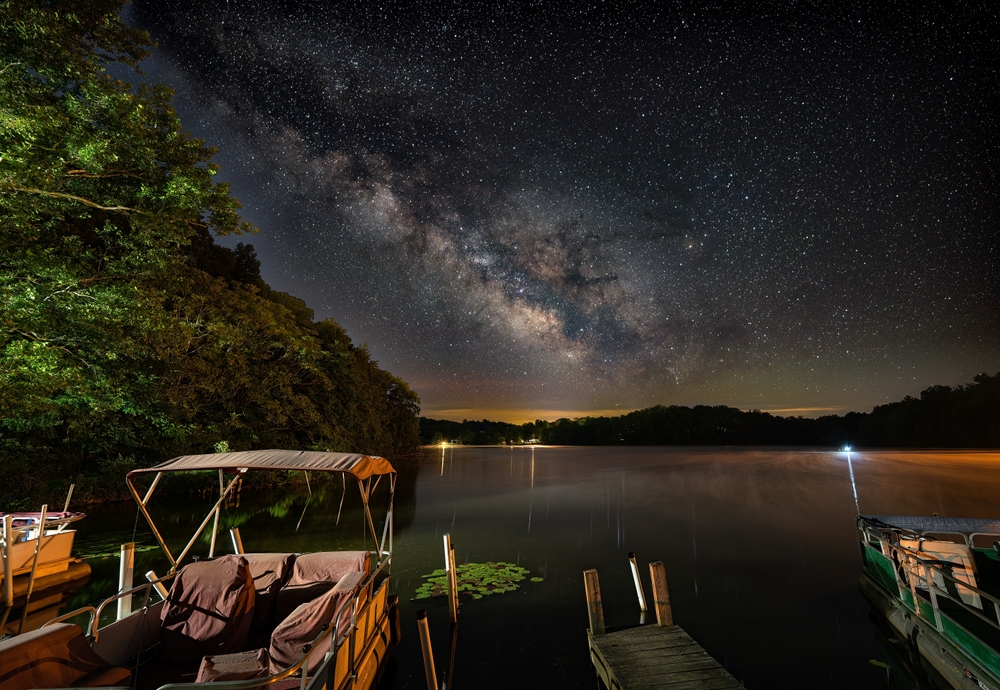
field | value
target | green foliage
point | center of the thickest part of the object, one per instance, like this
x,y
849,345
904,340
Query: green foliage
x,y
478,580
124,329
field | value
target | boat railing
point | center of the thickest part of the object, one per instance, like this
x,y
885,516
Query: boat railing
x,y
336,645
922,573
73,614
93,625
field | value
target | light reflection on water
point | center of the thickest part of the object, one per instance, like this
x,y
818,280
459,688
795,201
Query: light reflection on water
x,y
759,544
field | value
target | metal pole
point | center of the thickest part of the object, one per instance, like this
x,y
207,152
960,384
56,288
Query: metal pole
x,y
203,523
595,610
237,541
638,582
125,578
149,520
218,510
152,487
932,589
158,586
449,679
8,581
215,533
69,495
449,567
425,648
454,586
34,566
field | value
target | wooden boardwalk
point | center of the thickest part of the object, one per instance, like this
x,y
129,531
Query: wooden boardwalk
x,y
650,656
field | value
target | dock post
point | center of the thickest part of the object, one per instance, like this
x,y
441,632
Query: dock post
x,y
125,570
8,538
595,610
661,598
638,582
425,648
237,541
158,586
449,566
449,677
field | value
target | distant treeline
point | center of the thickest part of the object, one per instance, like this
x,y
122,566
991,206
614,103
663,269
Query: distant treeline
x,y
127,335
942,417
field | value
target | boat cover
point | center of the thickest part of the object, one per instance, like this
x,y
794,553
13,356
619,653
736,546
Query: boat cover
x,y
923,525
270,571
304,623
208,611
361,466
315,574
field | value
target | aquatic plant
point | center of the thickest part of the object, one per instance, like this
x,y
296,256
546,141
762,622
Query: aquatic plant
x,y
475,579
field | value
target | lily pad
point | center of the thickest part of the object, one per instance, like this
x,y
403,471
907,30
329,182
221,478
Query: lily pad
x,y
475,579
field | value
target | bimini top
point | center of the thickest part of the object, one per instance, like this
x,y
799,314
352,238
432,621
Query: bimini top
x,y
923,525
361,466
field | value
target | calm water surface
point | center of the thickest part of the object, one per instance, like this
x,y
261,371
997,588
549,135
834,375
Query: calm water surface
x,y
760,549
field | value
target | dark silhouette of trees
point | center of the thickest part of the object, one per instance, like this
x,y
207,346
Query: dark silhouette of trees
x,y
964,417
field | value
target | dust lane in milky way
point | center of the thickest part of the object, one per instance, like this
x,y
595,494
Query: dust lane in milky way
x,y
566,209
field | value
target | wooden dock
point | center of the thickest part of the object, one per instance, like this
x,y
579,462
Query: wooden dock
x,y
650,656
659,655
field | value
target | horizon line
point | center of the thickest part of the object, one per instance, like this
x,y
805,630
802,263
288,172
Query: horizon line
x,y
508,416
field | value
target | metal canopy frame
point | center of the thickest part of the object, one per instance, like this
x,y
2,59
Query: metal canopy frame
x,y
366,486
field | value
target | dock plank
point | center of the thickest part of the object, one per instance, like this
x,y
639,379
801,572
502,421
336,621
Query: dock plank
x,y
650,656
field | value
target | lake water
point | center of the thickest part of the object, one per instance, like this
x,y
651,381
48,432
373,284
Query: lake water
x,y
760,550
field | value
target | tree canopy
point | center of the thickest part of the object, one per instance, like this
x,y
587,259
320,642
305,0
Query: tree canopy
x,y
124,329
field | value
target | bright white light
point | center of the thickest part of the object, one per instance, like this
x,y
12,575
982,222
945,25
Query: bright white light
x,y
846,449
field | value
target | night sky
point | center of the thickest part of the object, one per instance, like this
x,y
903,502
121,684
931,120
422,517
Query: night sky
x,y
568,208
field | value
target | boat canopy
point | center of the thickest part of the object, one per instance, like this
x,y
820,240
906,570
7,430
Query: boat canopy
x,y
360,466
923,525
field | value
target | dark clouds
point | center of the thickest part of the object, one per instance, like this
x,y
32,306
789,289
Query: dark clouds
x,y
570,208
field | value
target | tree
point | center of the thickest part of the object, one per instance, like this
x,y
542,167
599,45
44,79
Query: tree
x,y
124,329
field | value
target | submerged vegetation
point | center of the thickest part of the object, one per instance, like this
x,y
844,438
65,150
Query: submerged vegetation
x,y
127,335
942,417
475,579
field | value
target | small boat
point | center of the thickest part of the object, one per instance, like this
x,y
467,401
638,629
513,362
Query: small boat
x,y
314,621
38,563
55,547
937,582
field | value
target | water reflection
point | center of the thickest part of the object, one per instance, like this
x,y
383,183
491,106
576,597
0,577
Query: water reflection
x,y
759,545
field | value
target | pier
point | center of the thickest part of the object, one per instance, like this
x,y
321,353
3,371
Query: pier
x,y
650,656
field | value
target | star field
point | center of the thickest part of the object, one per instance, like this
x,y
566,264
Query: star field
x,y
568,208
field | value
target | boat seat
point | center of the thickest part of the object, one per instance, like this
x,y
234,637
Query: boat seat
x,y
956,558
270,572
208,611
239,666
55,656
314,574
302,626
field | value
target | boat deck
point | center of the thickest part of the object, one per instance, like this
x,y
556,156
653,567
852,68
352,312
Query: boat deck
x,y
650,656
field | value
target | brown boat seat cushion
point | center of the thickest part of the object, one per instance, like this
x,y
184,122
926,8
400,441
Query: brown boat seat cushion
x,y
208,611
269,571
314,574
55,656
238,666
302,626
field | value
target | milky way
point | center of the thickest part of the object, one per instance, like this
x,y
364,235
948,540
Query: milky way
x,y
566,209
